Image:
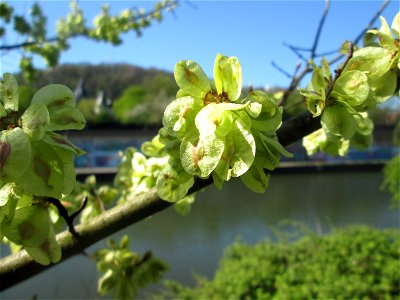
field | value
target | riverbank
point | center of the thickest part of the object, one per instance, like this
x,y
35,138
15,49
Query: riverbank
x,y
108,173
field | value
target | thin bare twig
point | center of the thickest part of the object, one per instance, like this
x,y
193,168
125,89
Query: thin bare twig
x,y
296,50
372,21
319,30
281,70
307,69
85,33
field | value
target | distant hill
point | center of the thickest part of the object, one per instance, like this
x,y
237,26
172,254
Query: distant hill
x,y
112,79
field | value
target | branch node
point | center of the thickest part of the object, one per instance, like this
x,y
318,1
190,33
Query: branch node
x,y
63,212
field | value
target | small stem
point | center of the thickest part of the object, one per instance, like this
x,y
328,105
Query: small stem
x,y
338,72
63,212
319,30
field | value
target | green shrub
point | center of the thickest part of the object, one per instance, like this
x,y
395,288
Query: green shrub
x,y
95,114
353,263
124,106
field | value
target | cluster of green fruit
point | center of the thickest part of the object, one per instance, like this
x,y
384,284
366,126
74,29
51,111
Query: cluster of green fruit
x,y
368,78
35,163
217,132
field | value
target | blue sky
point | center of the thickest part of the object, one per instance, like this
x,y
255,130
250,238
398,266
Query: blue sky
x,y
254,31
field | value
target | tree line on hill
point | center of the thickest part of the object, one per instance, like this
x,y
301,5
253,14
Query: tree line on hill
x,y
123,94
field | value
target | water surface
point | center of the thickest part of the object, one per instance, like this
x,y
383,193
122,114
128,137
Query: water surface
x,y
195,243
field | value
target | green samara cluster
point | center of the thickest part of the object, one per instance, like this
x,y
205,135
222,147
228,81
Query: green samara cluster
x,y
368,79
216,131
35,163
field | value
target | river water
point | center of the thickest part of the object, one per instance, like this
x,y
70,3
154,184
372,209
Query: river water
x,y
194,244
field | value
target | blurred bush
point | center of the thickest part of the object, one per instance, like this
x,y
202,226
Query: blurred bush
x,y
353,263
95,114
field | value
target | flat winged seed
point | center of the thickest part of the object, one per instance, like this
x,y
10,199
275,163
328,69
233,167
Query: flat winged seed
x,y
353,86
239,150
15,154
384,86
173,182
396,25
209,152
180,112
54,96
45,174
216,118
255,179
30,226
9,192
9,92
373,60
189,154
228,76
338,122
35,121
191,78
66,118
47,252
3,112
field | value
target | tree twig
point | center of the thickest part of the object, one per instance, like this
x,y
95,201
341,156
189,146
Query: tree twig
x,y
319,30
307,69
85,33
63,212
339,70
281,70
372,21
